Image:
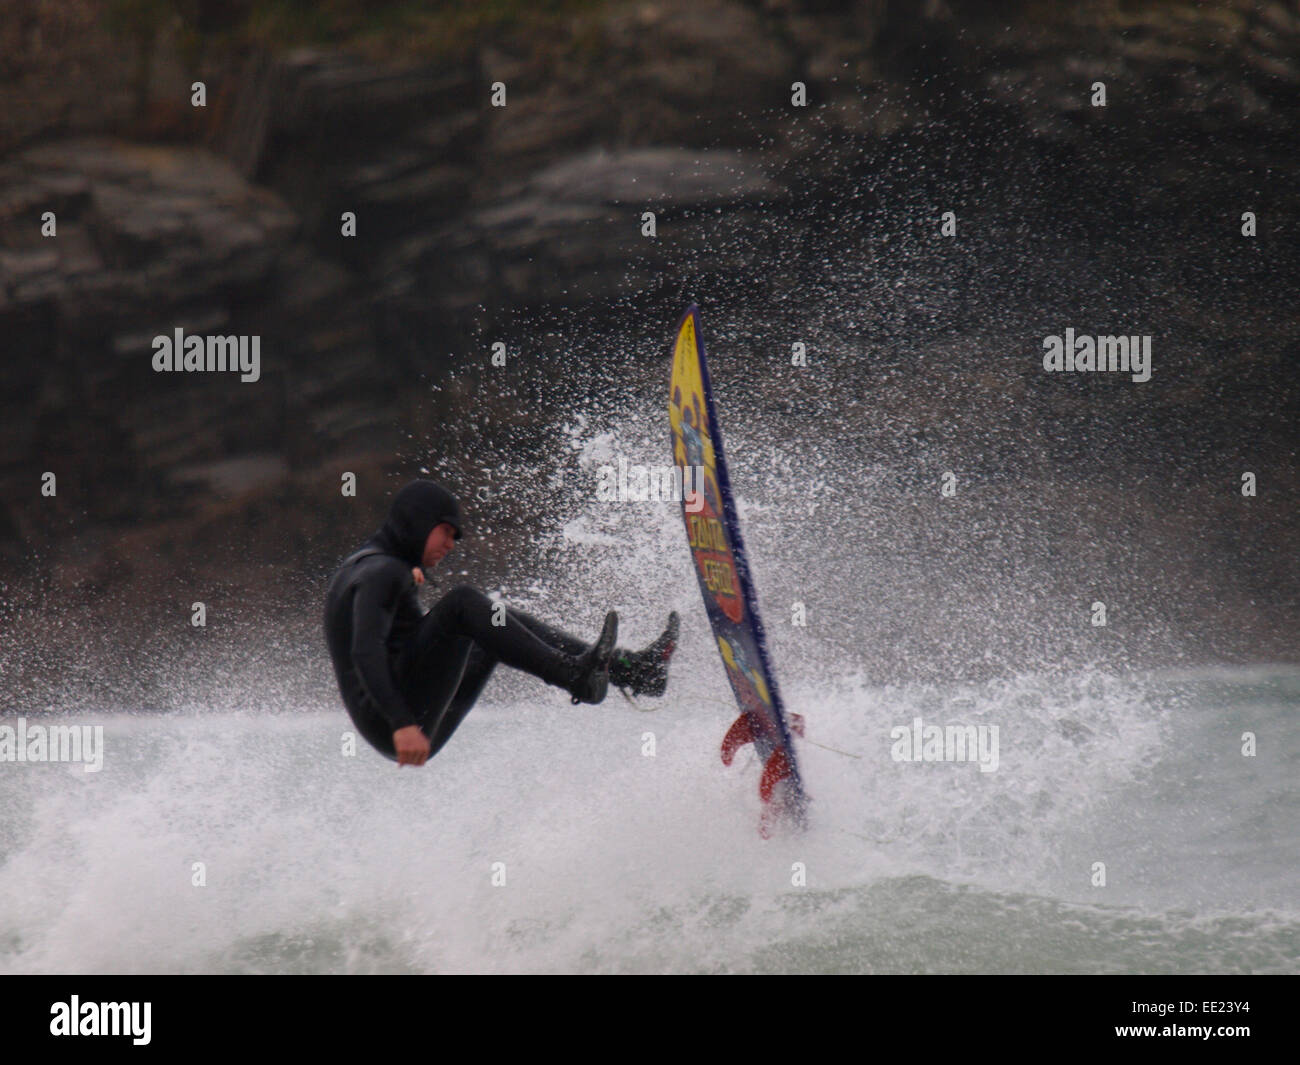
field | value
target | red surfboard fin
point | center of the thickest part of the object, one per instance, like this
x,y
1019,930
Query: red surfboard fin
x,y
779,804
776,770
737,736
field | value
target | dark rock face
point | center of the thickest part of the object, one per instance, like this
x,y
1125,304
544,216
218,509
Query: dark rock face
x,y
470,215
150,240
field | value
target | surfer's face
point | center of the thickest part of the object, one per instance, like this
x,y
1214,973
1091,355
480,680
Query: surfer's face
x,y
442,538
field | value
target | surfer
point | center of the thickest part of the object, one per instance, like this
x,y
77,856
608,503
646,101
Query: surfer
x,y
408,678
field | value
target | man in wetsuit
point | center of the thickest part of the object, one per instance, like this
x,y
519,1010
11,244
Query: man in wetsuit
x,y
408,678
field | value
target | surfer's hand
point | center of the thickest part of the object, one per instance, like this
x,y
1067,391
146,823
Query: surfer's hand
x,y
418,574
412,745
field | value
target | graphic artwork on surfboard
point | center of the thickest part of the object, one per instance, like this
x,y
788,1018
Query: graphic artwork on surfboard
x,y
713,532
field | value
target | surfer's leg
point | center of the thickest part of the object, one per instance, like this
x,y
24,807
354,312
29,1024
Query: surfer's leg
x,y
645,671
478,670
466,612
566,642
430,670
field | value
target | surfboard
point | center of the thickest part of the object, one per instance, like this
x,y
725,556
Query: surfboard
x,y
722,568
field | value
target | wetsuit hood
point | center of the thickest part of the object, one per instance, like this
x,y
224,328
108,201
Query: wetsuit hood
x,y
416,509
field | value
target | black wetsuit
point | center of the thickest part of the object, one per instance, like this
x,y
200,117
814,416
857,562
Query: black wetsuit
x,y
398,666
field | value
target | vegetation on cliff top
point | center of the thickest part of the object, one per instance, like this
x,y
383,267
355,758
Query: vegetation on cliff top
x,y
407,26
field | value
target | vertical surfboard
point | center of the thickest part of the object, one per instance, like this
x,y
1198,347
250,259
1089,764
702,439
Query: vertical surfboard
x,y
722,568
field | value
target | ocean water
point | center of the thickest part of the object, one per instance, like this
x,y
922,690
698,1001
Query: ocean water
x,y
232,830
547,837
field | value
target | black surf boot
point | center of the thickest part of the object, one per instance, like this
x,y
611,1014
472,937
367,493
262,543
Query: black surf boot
x,y
591,668
646,672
